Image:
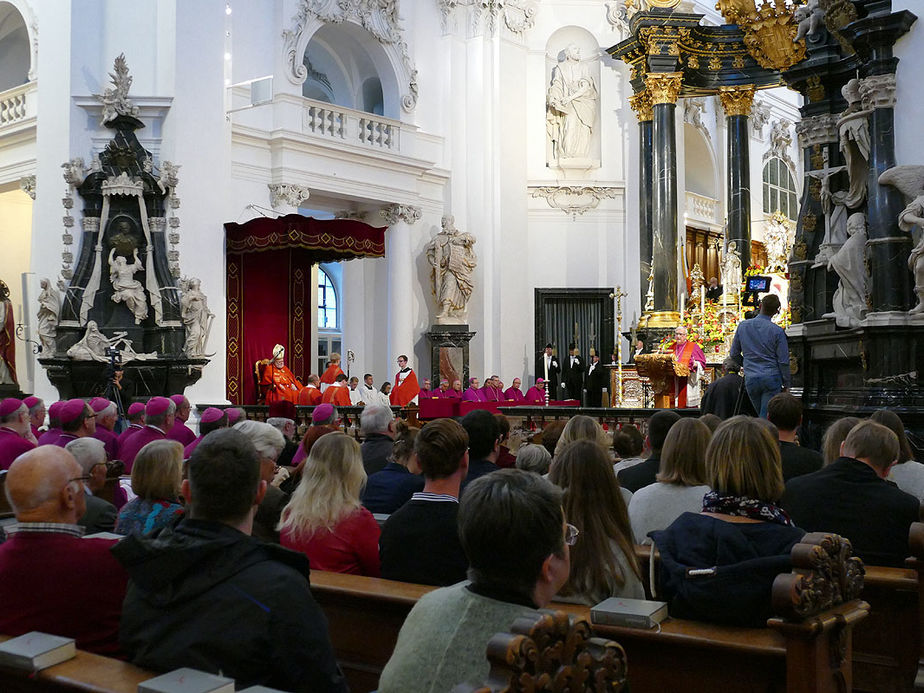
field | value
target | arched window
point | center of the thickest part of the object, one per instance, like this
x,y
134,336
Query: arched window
x,y
779,189
328,318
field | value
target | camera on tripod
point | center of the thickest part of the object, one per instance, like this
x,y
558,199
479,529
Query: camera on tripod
x,y
114,355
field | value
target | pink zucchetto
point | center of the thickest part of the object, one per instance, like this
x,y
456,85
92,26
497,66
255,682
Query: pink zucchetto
x,y
235,414
322,412
210,415
55,409
32,401
9,405
98,404
178,400
135,408
156,406
71,410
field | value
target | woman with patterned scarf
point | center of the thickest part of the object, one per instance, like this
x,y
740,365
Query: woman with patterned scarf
x,y
719,565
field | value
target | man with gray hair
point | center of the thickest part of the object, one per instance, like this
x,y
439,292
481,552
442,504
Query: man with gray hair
x,y
269,443
90,454
377,425
726,397
51,579
286,427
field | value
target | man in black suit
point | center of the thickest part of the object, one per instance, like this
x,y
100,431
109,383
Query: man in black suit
x,y
726,397
714,290
596,381
851,497
547,367
785,412
574,372
100,515
643,474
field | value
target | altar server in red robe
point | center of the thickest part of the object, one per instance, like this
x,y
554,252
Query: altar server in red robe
x,y
14,426
279,381
329,377
406,388
310,395
686,356
337,394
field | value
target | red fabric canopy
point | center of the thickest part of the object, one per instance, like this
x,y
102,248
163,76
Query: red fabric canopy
x,y
329,240
268,269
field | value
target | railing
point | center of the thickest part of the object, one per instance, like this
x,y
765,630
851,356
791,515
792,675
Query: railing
x,y
702,208
345,124
17,104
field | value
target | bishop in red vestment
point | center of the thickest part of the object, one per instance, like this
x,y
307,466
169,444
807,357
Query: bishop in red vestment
x,y
278,381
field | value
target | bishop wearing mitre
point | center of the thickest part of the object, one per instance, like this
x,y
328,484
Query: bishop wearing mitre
x,y
278,381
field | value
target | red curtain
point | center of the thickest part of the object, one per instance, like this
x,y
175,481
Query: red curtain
x,y
268,272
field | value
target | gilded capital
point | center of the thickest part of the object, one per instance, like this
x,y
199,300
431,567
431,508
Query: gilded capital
x,y
737,100
641,104
664,86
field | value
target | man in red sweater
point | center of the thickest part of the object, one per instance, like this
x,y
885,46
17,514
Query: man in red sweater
x,y
51,579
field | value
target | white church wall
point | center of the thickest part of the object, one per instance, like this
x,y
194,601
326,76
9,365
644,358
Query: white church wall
x,y
909,104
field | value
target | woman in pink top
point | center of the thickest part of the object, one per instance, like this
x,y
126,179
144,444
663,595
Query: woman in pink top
x,y
325,519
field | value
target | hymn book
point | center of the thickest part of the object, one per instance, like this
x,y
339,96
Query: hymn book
x,y
187,680
34,651
631,613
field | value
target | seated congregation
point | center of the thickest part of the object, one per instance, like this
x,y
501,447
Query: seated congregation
x,y
221,531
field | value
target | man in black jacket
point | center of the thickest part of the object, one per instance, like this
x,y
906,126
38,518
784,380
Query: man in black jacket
x,y
597,379
548,368
643,474
420,541
851,497
377,424
726,397
205,594
785,412
574,372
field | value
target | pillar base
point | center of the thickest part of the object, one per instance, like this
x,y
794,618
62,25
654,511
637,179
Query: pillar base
x,y
449,353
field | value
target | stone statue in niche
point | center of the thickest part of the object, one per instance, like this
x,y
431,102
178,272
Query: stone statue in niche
x,y
127,289
778,240
853,134
452,261
835,213
49,301
909,180
7,338
196,316
571,107
849,263
731,272
93,346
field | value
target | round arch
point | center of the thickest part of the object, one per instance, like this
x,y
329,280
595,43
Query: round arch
x,y
18,44
699,165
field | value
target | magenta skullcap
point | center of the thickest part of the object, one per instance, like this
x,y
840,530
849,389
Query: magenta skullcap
x,y
178,400
31,401
157,406
135,408
9,405
55,408
539,381
71,411
322,412
211,415
235,414
98,404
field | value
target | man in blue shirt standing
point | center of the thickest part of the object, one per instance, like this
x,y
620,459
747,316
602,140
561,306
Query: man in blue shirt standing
x,y
765,352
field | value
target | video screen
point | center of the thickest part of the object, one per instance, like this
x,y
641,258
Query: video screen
x,y
758,284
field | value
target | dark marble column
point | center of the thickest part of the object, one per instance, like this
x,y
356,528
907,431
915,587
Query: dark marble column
x,y
641,104
664,88
737,103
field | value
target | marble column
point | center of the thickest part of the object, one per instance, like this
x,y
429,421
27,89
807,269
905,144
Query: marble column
x,y
737,101
664,88
641,104
400,281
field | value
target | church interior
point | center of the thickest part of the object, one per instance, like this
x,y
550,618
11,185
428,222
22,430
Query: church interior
x,y
543,209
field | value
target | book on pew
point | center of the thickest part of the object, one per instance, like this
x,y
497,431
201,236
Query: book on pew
x,y
104,535
632,613
35,650
187,680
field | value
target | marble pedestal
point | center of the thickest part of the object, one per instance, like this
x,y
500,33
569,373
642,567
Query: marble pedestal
x,y
449,353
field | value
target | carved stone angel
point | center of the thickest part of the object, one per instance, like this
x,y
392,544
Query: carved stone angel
x,y
49,309
115,98
196,316
909,180
849,263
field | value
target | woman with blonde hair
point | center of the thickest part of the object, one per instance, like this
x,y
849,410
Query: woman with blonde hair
x,y
742,539
581,427
156,478
681,481
324,518
603,562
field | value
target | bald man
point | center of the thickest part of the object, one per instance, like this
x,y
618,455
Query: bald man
x,y
59,583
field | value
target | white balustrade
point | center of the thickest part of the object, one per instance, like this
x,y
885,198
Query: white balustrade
x,y
359,127
17,104
702,208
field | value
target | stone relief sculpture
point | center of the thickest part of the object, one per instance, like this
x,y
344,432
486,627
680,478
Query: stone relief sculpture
x,y
853,134
779,237
126,289
93,346
115,99
835,213
452,261
571,107
849,263
780,142
196,316
731,272
49,301
909,180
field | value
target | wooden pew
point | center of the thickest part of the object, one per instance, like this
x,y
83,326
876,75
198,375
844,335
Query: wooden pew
x,y
792,655
86,672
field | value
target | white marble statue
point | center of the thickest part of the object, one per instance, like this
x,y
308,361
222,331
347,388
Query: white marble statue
x,y
853,134
127,289
731,272
779,237
93,345
571,107
49,301
849,263
74,172
810,17
197,317
452,261
115,98
835,213
909,180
